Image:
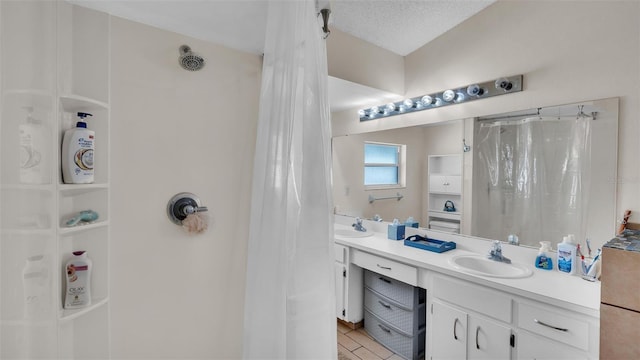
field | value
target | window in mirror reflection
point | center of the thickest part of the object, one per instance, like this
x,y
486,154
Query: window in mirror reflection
x,y
383,165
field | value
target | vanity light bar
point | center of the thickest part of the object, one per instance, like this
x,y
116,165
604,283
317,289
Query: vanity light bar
x,y
501,86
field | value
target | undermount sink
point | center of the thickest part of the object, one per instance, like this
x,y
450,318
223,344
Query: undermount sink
x,y
480,265
351,233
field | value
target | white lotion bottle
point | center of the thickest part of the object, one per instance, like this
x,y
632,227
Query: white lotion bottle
x,y
567,251
77,153
78,275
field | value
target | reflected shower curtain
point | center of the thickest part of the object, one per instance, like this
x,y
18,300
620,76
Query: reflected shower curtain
x,y
536,175
290,293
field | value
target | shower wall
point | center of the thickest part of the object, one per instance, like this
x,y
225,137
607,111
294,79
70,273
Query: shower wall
x,y
176,295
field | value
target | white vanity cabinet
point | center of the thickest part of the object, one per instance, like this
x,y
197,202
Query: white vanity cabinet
x,y
349,287
459,332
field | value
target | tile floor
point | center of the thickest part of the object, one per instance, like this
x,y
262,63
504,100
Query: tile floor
x,y
358,345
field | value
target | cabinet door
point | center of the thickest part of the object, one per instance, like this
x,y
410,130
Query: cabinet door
x,y
340,286
448,332
451,184
534,347
488,339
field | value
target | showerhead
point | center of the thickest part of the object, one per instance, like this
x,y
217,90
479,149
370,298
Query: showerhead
x,y
190,61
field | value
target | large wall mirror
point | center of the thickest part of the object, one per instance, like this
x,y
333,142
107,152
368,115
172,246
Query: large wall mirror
x,y
537,174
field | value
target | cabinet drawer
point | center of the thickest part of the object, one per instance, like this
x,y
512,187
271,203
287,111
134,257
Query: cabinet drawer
x,y
478,298
392,269
400,292
404,319
340,253
548,322
408,347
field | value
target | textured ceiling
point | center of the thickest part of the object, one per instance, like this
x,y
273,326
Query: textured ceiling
x,y
400,26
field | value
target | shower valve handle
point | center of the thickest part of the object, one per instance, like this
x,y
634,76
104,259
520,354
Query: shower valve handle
x,y
190,209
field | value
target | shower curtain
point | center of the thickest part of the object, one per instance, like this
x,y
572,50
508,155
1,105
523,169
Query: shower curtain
x,y
536,175
290,290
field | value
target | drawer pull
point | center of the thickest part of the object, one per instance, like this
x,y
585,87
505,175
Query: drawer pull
x,y
477,331
550,326
384,329
383,267
383,304
385,280
455,336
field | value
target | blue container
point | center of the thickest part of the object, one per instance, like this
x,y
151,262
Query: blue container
x,y
395,231
411,223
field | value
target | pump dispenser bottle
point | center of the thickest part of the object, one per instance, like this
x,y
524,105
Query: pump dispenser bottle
x,y
567,250
77,153
543,261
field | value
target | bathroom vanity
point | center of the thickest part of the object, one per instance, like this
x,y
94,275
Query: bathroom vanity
x,y
537,314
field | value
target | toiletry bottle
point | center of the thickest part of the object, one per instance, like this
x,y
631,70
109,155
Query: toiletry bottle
x,y
78,274
543,261
567,255
33,151
77,153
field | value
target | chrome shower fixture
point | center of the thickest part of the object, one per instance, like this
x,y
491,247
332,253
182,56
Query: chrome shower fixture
x,y
190,61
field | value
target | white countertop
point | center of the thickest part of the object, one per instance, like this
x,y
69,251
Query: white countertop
x,y
549,286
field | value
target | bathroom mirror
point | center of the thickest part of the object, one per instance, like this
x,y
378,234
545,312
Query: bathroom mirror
x,y
578,189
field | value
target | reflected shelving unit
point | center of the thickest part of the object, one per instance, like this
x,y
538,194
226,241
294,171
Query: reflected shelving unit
x,y
445,188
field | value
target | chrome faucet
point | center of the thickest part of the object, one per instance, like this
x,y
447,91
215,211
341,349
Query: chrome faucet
x,y
358,225
496,253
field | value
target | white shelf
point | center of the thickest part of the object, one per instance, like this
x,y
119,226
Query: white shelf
x,y
71,314
74,103
77,189
82,228
444,193
445,215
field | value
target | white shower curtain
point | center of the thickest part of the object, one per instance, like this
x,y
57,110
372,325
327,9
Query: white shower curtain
x,y
290,291
536,175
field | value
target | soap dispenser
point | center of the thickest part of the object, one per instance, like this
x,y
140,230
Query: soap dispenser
x,y
543,261
77,153
567,250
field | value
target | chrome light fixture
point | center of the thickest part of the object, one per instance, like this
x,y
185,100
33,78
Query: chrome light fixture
x,y
500,86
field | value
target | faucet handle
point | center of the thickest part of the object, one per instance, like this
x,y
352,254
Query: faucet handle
x,y
496,246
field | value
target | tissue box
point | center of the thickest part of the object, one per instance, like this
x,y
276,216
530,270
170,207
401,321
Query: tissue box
x,y
395,232
411,223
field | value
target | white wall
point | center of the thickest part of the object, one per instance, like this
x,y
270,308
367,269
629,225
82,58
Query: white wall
x,y
176,295
568,52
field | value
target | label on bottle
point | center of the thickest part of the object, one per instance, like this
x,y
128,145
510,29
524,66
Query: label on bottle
x,y
83,158
565,260
77,281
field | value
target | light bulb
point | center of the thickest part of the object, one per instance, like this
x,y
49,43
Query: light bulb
x,y
427,100
459,97
408,103
375,110
371,115
439,102
389,108
402,108
475,90
448,95
361,113
503,84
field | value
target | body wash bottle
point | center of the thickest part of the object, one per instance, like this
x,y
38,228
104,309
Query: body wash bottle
x,y
543,261
78,274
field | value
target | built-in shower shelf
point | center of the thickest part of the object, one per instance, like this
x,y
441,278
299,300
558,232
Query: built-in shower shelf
x,y
35,232
68,315
74,103
77,189
28,187
36,98
81,228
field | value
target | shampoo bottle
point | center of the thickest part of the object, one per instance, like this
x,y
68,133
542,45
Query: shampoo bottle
x,y
543,261
77,153
567,251
78,274
33,151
